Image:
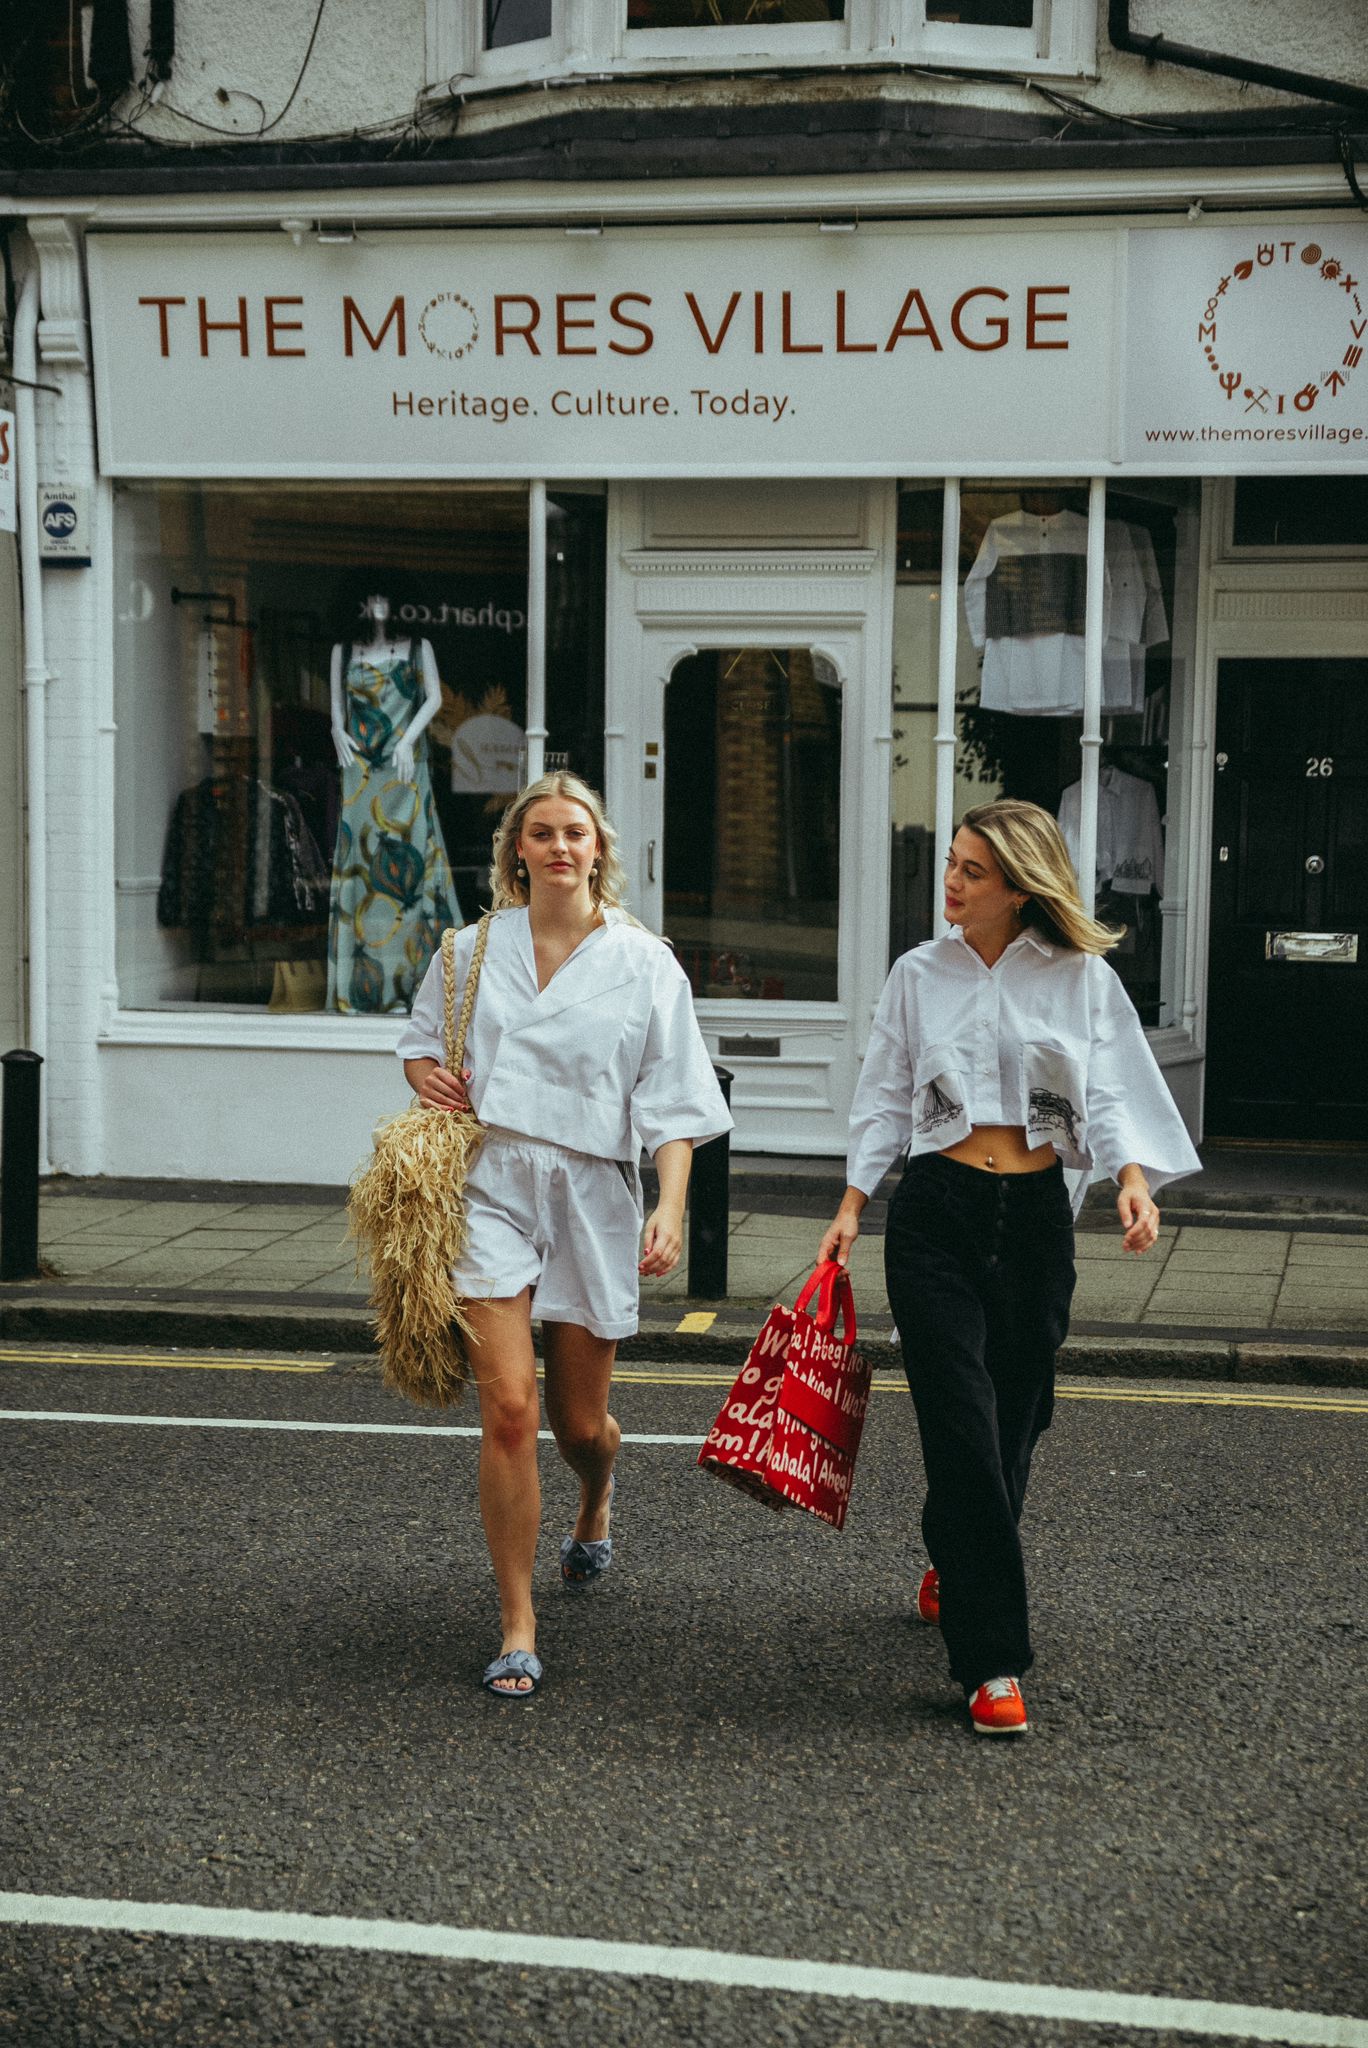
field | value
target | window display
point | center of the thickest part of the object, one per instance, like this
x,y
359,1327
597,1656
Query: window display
x,y
1019,691
392,895
321,713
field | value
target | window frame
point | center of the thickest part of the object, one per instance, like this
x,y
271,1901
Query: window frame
x,y
591,38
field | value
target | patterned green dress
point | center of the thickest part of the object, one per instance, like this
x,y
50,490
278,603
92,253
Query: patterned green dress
x,y
392,894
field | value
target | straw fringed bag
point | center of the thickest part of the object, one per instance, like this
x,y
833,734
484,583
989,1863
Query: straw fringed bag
x,y
406,1211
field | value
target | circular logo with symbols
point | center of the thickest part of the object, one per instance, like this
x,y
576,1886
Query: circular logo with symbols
x,y
59,520
1302,360
449,326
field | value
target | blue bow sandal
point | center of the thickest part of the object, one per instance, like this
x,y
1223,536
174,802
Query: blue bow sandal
x,y
513,1664
583,1561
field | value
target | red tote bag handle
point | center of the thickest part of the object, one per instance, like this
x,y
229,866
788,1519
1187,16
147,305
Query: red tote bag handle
x,y
830,1282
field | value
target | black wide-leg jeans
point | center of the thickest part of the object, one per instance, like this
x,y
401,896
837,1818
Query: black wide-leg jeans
x,y
980,1270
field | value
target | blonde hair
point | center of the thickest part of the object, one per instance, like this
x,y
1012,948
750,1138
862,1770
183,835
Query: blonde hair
x,y
1029,848
607,886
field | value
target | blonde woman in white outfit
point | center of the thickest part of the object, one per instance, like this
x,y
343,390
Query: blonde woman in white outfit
x,y
1007,1068
583,1047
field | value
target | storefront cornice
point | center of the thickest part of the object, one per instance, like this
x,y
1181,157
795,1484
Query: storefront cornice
x,y
990,196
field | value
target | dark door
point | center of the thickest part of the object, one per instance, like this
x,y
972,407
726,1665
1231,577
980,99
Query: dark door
x,y
1287,1038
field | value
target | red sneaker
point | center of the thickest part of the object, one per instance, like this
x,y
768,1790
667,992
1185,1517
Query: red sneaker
x,y
928,1598
997,1708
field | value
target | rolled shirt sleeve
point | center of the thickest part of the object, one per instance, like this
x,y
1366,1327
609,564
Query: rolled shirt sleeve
x,y
1132,1118
676,1094
881,1113
423,1035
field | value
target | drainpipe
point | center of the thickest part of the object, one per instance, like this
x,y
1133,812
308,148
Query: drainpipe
x,y
35,677
1157,49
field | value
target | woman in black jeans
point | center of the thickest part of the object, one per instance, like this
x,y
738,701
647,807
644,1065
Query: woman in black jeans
x,y
1007,1064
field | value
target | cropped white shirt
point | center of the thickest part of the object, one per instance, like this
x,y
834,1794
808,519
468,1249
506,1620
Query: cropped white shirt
x,y
1047,1039
606,1058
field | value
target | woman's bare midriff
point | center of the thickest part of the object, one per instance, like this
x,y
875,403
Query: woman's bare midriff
x,y
1001,1148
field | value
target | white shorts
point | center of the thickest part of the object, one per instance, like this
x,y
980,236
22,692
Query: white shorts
x,y
563,1223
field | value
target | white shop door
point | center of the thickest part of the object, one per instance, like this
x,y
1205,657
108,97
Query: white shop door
x,y
752,793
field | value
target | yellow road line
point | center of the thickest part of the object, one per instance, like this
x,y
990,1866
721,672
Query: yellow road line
x,y
1173,1397
1176,1397
158,1359
1161,1396
697,1321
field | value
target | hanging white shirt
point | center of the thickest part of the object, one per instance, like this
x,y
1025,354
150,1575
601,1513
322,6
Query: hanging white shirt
x,y
1130,836
1024,603
1046,1039
1136,618
606,1058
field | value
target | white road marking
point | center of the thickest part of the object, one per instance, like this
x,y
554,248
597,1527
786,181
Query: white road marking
x,y
430,1429
799,1979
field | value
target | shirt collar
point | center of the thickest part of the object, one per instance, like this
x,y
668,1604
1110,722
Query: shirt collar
x,y
1028,933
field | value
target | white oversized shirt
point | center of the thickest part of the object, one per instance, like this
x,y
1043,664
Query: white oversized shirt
x,y
606,1058
1024,603
1130,837
1135,616
1047,1039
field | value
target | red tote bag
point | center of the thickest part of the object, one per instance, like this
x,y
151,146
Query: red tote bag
x,y
789,1430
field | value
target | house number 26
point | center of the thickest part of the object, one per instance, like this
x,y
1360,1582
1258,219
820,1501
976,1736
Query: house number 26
x,y
1319,764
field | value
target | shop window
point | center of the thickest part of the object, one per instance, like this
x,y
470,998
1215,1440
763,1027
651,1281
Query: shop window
x,y
1019,697
753,823
255,866
913,898
1321,512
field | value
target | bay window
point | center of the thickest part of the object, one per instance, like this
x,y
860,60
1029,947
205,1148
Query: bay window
x,y
498,42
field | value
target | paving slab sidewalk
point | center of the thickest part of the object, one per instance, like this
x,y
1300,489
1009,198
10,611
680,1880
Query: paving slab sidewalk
x,y
1277,1294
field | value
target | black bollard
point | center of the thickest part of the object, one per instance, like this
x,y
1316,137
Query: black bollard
x,y
19,1166
709,1210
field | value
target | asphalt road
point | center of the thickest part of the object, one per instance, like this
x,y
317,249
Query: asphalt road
x,y
240,1670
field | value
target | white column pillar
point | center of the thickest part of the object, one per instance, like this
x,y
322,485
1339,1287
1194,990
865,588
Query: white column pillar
x,y
536,630
1094,621
945,684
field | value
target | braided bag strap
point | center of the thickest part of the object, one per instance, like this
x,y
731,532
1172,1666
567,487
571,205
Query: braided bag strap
x,y
455,1038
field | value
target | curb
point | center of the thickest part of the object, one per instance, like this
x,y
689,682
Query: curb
x,y
231,1326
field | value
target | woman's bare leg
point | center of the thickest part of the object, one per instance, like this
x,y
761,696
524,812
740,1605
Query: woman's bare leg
x,y
505,1373
579,1369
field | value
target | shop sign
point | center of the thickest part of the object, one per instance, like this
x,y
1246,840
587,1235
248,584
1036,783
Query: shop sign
x,y
9,504
63,526
1245,347
898,349
741,351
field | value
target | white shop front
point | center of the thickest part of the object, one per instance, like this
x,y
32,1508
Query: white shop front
x,y
797,538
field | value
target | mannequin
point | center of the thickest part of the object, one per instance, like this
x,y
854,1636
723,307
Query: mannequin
x,y
381,648
392,894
